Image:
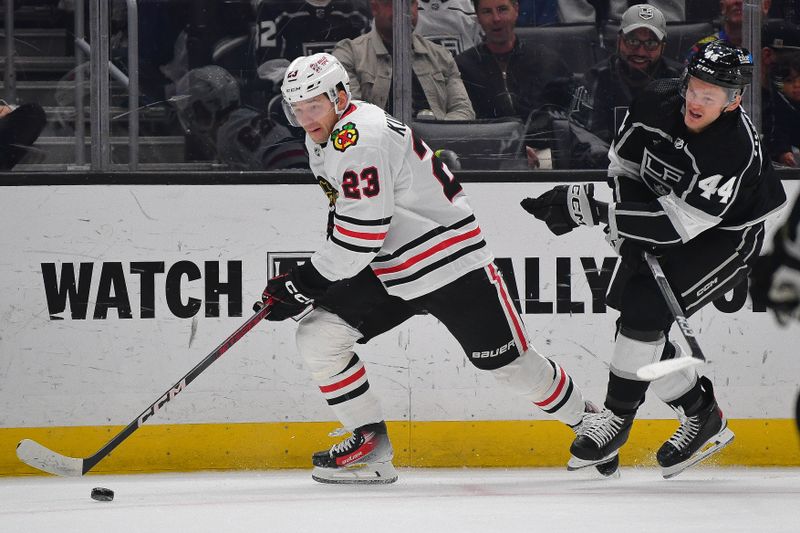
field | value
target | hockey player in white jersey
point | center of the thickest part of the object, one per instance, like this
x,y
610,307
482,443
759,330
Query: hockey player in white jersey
x,y
402,240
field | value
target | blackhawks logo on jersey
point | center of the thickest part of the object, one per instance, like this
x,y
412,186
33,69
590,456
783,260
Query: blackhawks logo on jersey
x,y
345,137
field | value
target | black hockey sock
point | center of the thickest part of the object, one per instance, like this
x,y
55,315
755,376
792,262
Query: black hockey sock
x,y
695,398
624,396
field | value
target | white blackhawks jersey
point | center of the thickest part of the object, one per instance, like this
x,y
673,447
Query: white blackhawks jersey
x,y
395,207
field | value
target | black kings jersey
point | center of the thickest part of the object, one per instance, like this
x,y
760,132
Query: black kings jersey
x,y
293,28
395,207
670,184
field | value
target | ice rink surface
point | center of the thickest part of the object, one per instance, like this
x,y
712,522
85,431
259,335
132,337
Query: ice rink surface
x,y
763,500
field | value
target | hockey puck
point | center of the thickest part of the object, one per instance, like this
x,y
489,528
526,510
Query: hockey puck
x,y
102,494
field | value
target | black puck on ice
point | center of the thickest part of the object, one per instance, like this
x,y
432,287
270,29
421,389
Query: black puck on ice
x,y
102,494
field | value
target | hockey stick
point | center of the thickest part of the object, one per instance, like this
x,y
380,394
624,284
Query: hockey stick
x,y
662,368
42,458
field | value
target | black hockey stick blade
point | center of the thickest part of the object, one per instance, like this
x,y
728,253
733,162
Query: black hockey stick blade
x,y
662,368
42,458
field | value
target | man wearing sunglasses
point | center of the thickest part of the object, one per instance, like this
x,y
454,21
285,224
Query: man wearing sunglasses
x,y
612,84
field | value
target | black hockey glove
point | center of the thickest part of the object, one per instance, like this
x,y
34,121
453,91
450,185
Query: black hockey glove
x,y
565,207
292,292
775,281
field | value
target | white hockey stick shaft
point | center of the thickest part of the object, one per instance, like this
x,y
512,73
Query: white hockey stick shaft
x,y
42,458
696,357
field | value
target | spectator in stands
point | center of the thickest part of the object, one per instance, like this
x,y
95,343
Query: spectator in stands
x,y
20,126
781,92
506,77
731,31
436,84
597,11
209,108
612,84
450,23
290,28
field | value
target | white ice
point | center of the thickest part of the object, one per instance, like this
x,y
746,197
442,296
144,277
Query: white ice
x,y
726,500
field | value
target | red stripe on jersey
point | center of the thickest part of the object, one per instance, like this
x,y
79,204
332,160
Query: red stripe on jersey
x,y
345,382
510,310
427,253
361,234
350,109
557,391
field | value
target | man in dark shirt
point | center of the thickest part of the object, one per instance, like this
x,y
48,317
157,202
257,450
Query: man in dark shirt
x,y
505,77
612,84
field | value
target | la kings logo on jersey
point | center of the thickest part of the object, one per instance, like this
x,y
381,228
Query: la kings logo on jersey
x,y
658,174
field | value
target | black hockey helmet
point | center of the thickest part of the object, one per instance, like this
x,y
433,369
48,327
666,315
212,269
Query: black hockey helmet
x,y
722,64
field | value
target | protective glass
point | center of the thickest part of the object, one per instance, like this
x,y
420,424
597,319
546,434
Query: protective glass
x,y
300,114
649,44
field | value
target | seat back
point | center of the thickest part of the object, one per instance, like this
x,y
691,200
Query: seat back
x,y
484,144
578,45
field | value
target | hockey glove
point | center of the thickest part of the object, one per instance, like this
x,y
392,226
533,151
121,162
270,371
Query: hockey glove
x,y
292,292
775,281
565,207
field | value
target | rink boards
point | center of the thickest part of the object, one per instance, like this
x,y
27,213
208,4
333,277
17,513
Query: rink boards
x,y
111,293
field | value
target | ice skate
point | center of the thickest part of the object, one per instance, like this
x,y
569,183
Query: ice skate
x,y
364,457
699,436
599,439
609,468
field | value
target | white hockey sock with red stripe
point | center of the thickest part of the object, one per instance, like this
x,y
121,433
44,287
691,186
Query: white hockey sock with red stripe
x,y
546,384
349,396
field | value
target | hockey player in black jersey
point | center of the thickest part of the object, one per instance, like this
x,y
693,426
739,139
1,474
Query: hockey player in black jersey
x,y
775,279
691,185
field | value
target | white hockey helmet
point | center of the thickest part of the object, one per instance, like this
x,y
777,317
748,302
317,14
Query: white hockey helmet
x,y
310,76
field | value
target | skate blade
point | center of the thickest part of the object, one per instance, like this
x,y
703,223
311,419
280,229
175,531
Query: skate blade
x,y
717,443
364,474
576,463
659,369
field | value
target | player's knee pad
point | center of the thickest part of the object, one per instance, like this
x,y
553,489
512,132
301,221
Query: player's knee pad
x,y
634,349
529,375
325,342
642,306
675,385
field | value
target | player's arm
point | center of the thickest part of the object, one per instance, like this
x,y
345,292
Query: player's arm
x,y
459,106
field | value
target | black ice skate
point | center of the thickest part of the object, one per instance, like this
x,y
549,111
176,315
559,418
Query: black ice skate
x,y
364,457
699,436
611,467
599,439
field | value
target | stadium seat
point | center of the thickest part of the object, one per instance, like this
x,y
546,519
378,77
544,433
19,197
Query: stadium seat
x,y
578,45
484,144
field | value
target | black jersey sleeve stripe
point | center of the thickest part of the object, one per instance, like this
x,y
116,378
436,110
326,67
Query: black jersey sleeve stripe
x,y
437,264
353,247
423,238
355,393
362,222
